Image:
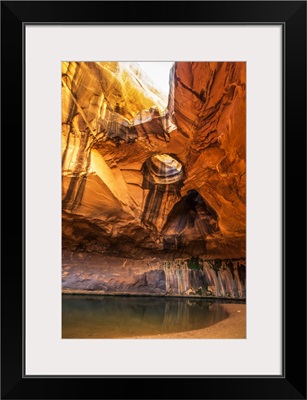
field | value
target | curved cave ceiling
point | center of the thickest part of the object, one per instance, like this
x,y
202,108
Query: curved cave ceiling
x,y
141,180
164,169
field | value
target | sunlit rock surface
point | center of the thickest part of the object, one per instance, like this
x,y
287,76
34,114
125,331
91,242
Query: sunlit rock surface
x,y
148,179
208,105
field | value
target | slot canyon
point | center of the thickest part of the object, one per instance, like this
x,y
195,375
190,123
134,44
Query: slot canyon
x,y
154,185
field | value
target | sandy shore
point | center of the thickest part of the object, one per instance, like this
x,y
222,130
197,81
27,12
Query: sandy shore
x,y
233,327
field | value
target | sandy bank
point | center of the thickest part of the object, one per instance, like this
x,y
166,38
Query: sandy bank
x,y
233,327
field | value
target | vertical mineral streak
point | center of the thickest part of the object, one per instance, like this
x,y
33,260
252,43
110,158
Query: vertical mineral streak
x,y
207,279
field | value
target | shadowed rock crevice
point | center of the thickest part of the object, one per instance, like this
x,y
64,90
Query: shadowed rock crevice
x,y
190,220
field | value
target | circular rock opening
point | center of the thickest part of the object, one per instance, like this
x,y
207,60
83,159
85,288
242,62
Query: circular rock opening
x,y
162,169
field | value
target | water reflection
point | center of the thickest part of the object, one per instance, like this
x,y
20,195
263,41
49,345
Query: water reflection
x,y
120,317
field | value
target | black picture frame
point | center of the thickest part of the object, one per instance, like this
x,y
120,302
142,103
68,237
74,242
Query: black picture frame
x,y
292,383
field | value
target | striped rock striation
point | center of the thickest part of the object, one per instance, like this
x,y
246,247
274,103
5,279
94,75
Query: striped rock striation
x,y
183,277
149,179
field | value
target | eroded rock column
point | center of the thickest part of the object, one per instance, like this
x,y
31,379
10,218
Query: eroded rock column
x,y
163,175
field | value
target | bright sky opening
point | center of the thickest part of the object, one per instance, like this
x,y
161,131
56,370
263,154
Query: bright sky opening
x,y
159,73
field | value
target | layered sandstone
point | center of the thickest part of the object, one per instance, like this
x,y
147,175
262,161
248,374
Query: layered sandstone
x,y
192,277
142,181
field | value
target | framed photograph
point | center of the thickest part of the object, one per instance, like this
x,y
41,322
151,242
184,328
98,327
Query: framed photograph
x,y
161,154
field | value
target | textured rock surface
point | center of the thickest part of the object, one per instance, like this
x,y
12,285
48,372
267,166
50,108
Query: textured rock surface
x,y
186,277
208,105
146,182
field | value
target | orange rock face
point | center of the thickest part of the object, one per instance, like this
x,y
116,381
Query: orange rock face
x,y
149,177
208,105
